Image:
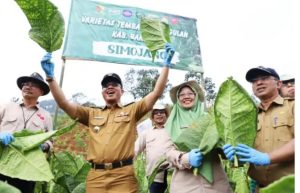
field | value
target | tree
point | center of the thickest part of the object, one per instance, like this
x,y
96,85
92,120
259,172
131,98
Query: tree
x,y
141,82
207,83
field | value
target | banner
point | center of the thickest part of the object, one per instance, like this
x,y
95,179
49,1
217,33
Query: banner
x,y
111,33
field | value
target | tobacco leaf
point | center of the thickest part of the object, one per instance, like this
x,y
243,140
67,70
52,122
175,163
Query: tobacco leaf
x,y
24,159
47,23
235,114
155,33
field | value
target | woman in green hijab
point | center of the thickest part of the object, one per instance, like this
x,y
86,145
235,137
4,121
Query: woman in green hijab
x,y
183,151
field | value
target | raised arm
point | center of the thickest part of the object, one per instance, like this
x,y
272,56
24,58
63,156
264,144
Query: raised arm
x,y
57,93
152,97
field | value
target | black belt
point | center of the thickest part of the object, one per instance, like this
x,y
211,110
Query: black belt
x,y
109,166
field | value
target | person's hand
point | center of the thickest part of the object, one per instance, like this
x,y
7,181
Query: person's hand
x,y
195,158
248,154
168,55
47,65
229,151
6,138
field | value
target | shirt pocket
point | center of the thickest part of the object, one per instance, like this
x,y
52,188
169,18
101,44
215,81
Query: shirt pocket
x,y
150,140
120,122
36,126
9,123
282,129
97,123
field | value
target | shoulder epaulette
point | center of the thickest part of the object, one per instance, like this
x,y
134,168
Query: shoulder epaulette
x,y
289,98
97,107
128,104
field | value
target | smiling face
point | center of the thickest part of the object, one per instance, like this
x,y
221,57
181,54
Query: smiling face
x,y
112,93
186,97
287,88
265,87
159,116
31,90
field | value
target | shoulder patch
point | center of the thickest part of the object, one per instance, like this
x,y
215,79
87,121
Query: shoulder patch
x,y
289,98
97,107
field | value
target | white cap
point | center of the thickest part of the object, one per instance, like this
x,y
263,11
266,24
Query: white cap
x,y
159,106
285,77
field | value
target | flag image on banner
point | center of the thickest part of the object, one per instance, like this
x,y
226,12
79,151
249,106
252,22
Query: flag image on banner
x,y
111,33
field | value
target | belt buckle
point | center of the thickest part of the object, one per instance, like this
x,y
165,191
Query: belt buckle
x,y
108,166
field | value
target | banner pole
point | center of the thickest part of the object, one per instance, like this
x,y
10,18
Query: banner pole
x,y
60,84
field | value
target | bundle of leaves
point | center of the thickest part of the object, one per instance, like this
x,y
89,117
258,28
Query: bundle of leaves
x,y
155,33
70,173
236,120
47,23
24,159
235,115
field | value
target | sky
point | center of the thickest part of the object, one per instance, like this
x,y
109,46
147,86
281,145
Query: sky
x,y
234,36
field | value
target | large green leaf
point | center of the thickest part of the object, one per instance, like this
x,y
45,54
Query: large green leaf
x,y
27,140
235,114
241,180
155,33
202,134
24,159
47,23
284,185
236,120
31,165
6,188
70,171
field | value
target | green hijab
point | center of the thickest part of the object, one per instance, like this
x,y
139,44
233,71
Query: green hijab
x,y
181,118
184,129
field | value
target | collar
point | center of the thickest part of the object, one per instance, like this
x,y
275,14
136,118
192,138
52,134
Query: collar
x,y
21,103
278,100
119,105
154,127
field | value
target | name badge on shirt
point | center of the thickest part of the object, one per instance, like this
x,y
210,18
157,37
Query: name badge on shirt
x,y
96,129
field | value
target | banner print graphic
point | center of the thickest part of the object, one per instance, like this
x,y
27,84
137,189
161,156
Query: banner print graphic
x,y
111,33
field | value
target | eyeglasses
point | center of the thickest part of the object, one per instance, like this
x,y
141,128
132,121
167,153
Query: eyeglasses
x,y
189,94
157,112
30,84
113,84
288,83
263,78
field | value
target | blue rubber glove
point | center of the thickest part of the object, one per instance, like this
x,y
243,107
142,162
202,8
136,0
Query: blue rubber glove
x,y
168,55
47,65
195,158
6,138
229,151
248,154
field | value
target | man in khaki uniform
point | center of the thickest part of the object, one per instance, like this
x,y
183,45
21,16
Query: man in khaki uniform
x,y
152,142
112,128
273,156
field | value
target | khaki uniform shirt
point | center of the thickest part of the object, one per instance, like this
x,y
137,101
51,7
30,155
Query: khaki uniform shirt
x,y
183,179
112,131
15,117
152,141
275,128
